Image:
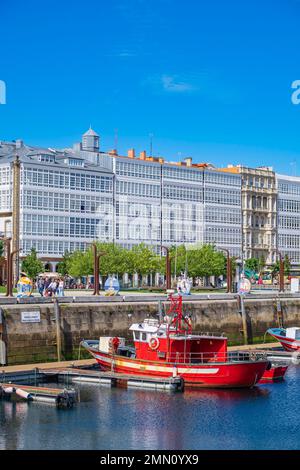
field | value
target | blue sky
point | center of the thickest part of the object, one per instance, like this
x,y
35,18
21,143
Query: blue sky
x,y
209,79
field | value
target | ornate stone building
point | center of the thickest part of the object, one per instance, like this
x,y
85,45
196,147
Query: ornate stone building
x,y
259,212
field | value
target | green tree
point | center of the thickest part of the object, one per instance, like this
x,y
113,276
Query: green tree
x,y
178,257
63,265
31,265
252,264
113,260
202,261
143,260
80,263
206,261
116,259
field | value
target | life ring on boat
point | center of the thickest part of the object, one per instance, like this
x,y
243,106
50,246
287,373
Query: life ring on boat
x,y
154,343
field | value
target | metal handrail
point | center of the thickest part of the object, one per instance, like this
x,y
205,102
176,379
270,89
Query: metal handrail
x,y
213,357
202,333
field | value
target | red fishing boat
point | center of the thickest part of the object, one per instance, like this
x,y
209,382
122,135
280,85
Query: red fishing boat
x,y
289,337
167,347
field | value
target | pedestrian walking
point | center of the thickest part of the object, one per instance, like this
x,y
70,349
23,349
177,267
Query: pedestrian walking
x,y
41,286
53,287
60,291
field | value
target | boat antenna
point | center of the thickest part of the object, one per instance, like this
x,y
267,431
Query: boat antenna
x,y
178,318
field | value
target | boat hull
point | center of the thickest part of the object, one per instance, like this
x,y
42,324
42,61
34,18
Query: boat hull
x,y
243,374
289,344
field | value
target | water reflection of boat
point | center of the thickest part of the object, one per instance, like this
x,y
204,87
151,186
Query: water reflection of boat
x,y
233,395
168,347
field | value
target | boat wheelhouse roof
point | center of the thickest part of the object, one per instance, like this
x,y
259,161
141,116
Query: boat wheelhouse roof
x,y
153,326
147,327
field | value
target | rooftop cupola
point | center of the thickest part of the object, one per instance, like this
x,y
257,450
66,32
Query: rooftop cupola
x,y
90,141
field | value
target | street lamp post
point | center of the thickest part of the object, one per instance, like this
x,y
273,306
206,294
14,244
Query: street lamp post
x,y
9,266
228,270
13,253
281,272
168,268
96,268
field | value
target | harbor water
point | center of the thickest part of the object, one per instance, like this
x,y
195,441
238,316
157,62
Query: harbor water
x,y
265,417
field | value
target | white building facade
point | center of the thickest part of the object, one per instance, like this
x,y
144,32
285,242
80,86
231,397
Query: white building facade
x,y
71,197
164,204
289,217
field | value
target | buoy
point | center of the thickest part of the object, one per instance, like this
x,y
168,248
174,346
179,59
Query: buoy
x,y
21,393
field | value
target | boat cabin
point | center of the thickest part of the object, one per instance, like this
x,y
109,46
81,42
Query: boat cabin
x,y
293,333
160,341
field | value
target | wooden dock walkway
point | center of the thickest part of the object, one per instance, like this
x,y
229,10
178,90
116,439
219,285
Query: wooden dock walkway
x,y
114,379
62,398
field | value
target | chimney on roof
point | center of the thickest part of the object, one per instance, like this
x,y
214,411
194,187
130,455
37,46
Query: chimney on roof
x,y
131,153
19,143
188,161
113,152
143,155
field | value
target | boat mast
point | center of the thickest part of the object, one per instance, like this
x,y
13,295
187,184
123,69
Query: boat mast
x,y
178,320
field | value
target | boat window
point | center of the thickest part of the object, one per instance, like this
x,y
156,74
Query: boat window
x,y
136,335
143,337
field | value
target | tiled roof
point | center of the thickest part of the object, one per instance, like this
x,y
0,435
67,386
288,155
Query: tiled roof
x,y
9,150
91,132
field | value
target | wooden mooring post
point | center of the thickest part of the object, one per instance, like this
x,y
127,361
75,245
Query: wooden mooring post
x,y
247,337
58,330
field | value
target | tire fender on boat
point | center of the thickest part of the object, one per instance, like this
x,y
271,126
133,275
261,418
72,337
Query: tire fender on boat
x,y
252,356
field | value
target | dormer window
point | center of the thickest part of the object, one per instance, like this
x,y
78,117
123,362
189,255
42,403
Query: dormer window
x,y
46,158
74,162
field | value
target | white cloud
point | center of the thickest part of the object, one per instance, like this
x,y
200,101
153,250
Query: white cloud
x,y
171,84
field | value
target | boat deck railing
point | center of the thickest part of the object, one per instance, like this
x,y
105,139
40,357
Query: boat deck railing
x,y
205,333
207,357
